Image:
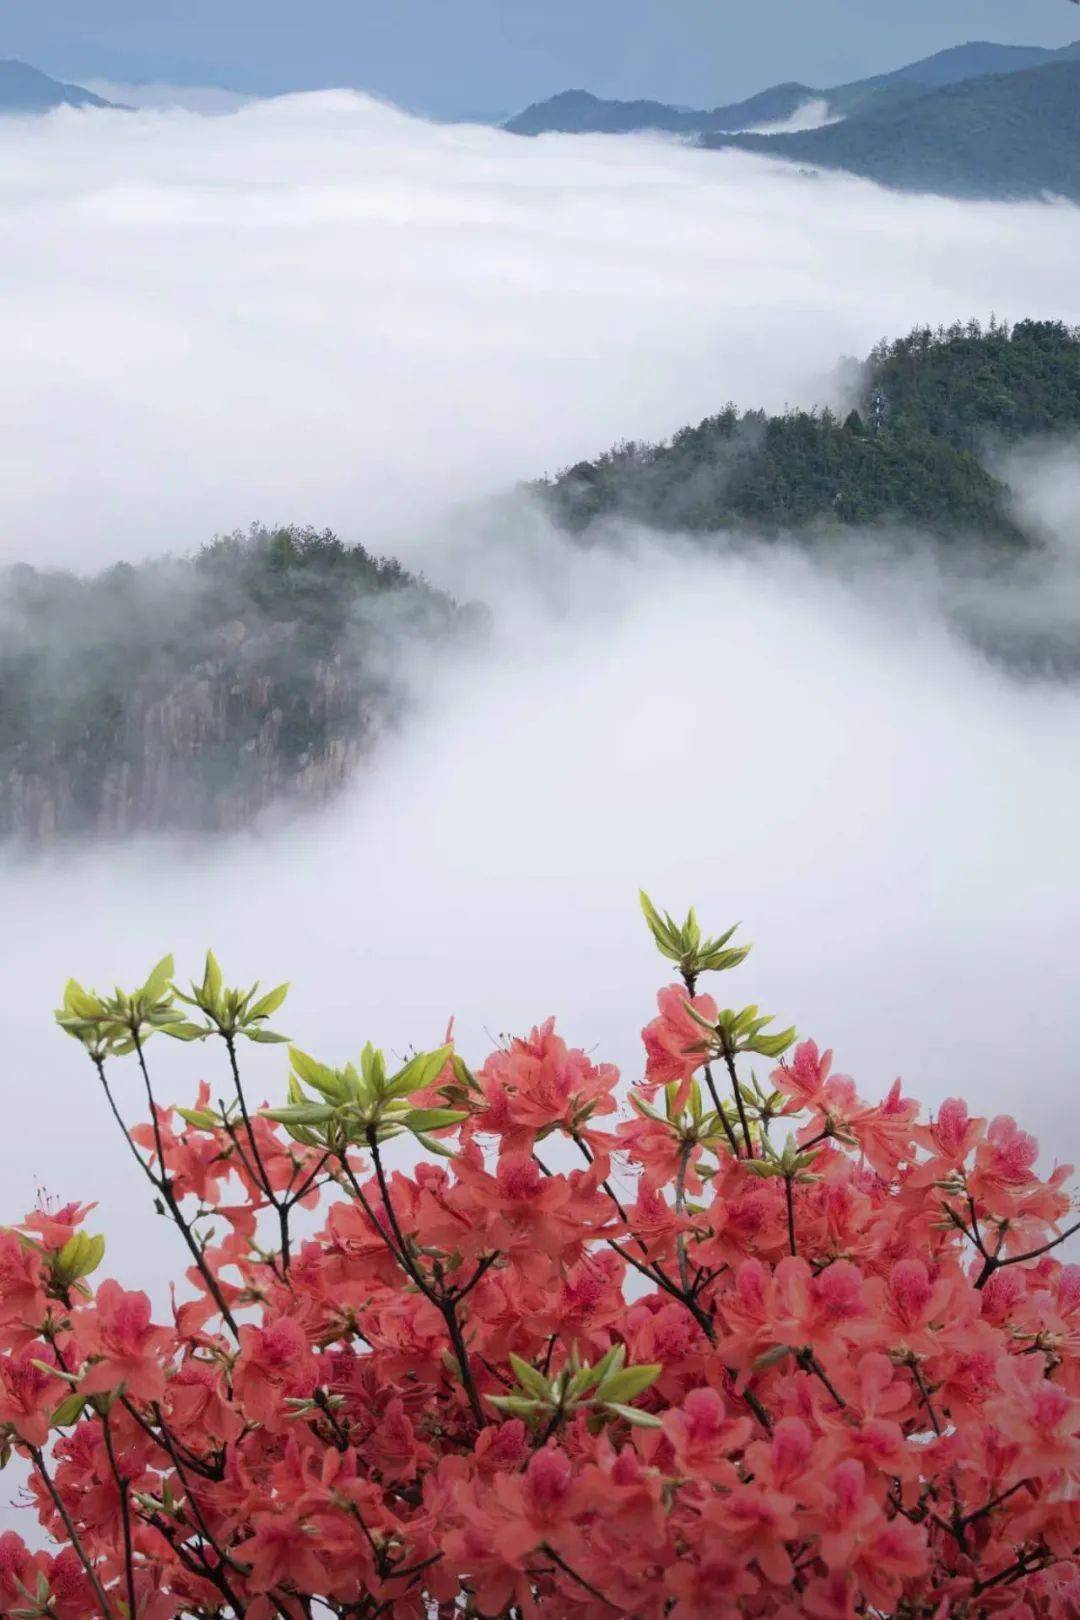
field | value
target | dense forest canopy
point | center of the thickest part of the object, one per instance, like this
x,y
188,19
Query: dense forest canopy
x,y
191,693
910,452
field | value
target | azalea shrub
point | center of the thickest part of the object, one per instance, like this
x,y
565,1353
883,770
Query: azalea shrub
x,y
513,1341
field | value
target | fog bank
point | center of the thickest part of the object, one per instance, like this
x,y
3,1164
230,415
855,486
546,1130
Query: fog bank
x,y
318,309
892,819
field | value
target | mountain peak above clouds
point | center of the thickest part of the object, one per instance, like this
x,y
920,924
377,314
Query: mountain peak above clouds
x,y
580,112
25,89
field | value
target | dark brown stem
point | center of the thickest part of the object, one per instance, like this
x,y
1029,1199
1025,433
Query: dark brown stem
x,y
262,1178
652,1269
204,1528
125,1513
687,1298
163,1186
302,1191
445,1304
461,1351
483,1266
729,1062
1026,1564
340,1438
733,1140
73,1534
810,1363
197,1464
988,1507
993,1263
580,1580
916,1373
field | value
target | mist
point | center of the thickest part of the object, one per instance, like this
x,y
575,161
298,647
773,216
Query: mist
x,y
318,309
891,816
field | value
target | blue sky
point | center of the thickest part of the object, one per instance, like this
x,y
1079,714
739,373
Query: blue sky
x,y
492,56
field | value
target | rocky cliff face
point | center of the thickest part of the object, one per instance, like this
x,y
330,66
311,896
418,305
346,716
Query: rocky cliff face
x,y
201,721
210,754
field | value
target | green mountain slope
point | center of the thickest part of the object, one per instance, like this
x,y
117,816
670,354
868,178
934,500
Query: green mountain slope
x,y
193,694
910,454
1008,136
24,90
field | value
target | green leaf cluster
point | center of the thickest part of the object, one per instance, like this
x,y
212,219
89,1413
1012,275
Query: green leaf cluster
x,y
110,1026
80,1256
684,943
735,1032
366,1104
693,1123
604,1391
39,1602
790,1161
230,1013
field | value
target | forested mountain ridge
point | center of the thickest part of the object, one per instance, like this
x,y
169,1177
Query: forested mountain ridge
x,y
579,112
24,89
1015,135
910,452
192,693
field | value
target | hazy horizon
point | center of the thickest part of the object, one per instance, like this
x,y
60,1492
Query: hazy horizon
x,y
486,58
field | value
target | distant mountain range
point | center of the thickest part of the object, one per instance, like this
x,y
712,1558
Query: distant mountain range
x,y
1012,135
23,89
576,112
979,120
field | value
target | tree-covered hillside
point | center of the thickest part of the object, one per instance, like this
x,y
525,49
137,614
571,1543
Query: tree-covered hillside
x,y
191,693
910,452
1008,136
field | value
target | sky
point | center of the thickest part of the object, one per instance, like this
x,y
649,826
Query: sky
x,y
490,57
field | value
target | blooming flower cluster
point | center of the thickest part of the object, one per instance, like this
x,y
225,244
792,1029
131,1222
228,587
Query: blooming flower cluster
x,y
720,1346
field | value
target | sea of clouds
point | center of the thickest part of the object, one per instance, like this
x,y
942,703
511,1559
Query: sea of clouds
x,y
318,309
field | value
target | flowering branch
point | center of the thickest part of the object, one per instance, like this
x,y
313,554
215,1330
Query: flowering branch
x,y
770,1378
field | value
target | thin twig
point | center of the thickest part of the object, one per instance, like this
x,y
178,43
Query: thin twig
x,y
73,1534
125,1513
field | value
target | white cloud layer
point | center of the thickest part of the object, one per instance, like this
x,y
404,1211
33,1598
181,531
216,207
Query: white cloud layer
x,y
892,819
320,309
151,93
